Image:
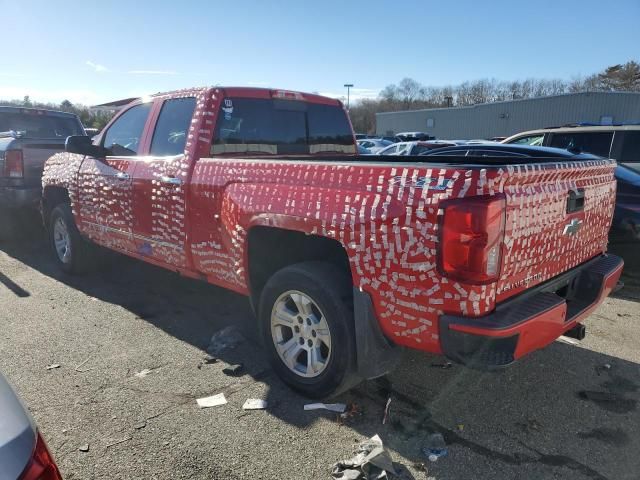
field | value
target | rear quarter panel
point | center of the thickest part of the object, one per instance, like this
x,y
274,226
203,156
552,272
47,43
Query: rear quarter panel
x,y
386,217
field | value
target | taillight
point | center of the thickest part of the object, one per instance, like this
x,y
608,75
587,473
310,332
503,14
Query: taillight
x,y
13,164
41,466
471,236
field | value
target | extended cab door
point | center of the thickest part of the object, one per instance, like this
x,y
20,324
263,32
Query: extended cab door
x,y
160,186
106,185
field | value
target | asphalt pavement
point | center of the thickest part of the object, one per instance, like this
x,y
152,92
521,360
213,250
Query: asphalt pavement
x,y
538,419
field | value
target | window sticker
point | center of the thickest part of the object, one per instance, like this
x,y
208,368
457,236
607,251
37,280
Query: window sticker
x,y
228,108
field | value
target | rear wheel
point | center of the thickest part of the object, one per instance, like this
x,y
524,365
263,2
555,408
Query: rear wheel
x,y
72,253
307,327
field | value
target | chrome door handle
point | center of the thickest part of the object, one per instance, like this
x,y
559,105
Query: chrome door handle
x,y
171,180
123,176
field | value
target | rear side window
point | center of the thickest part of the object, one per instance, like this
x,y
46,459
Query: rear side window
x,y
630,147
124,135
420,149
533,140
250,125
630,155
36,124
597,143
170,135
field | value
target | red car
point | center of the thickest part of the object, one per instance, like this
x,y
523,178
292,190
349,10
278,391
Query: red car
x,y
343,257
23,451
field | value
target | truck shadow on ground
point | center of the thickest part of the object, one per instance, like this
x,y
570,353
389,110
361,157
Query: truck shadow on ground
x,y
565,407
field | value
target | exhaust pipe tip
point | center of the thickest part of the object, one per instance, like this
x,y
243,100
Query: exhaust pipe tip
x,y
578,332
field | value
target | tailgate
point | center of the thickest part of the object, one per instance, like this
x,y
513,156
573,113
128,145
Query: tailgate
x,y
558,216
35,153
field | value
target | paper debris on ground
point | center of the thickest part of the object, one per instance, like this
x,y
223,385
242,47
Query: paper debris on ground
x,y
52,366
223,340
334,407
212,401
371,462
142,373
254,404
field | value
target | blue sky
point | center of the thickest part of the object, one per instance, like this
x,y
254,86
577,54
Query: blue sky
x,y
91,52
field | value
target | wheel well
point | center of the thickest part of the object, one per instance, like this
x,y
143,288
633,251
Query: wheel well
x,y
51,197
271,249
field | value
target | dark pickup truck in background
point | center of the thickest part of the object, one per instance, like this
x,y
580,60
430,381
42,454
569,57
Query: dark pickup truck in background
x,y
28,136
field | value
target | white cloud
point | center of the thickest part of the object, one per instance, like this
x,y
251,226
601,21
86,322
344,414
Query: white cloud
x,y
97,67
152,72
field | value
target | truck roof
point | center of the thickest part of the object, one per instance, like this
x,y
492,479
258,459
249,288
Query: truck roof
x,y
253,92
35,111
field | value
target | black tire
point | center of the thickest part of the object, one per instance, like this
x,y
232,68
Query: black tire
x,y
331,290
81,256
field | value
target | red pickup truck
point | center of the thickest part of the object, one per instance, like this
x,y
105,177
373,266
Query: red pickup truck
x,y
344,257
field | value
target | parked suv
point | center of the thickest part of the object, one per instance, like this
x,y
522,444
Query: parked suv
x,y
620,142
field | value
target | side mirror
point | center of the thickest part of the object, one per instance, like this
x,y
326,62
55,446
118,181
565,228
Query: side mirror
x,y
82,145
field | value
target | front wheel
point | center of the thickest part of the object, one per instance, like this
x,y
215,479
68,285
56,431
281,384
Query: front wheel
x,y
72,253
307,327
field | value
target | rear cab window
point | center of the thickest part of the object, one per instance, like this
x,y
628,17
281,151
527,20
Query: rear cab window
x,y
281,127
596,143
40,124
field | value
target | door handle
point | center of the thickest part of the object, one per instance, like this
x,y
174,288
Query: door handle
x,y
171,180
123,176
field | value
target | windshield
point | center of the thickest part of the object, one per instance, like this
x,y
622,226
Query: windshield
x,y
251,125
39,125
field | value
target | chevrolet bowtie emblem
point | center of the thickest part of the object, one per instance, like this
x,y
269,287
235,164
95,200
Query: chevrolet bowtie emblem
x,y
573,227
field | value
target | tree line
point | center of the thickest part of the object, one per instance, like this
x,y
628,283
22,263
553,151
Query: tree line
x,y
409,94
89,118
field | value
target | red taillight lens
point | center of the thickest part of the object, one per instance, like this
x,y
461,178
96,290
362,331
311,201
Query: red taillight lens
x,y
13,165
471,235
41,466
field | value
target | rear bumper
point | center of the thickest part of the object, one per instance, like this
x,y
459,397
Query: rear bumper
x,y
19,197
533,319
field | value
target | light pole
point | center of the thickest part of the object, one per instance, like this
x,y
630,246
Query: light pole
x,y
348,86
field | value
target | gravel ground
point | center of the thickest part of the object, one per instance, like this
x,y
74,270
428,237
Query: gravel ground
x,y
529,421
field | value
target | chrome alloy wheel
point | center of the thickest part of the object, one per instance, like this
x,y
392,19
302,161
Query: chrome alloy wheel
x,y
300,334
62,240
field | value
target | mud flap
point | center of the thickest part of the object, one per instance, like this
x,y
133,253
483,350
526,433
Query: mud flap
x,y
376,356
